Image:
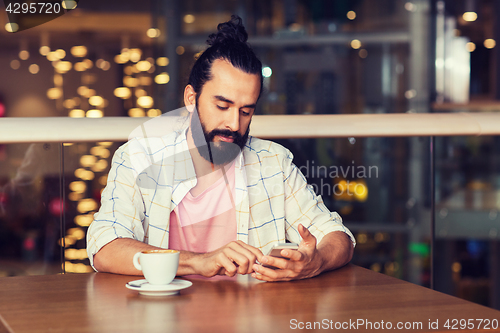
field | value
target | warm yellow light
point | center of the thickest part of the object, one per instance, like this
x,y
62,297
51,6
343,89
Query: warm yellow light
x,y
470,46
154,113
74,196
76,233
76,113
34,68
143,65
86,205
11,27
44,50
62,66
145,80
24,55
351,15
363,53
69,4
80,67
469,16
136,112
79,51
88,175
360,190
69,103
135,55
100,151
105,65
84,220
130,81
54,93
88,160
355,44
103,180
105,143
362,238
78,186
162,78
60,53
68,144
75,254
82,90
180,50
153,33
68,241
80,172
162,61
100,166
121,59
58,80
96,100
456,267
490,43
145,102
122,92
140,92
94,114
189,18
52,56
15,64
88,63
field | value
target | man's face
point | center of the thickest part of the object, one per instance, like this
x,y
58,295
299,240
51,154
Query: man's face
x,y
225,107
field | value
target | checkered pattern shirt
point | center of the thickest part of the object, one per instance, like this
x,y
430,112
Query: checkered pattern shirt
x,y
150,176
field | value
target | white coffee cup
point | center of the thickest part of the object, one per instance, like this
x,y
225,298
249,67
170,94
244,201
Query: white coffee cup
x,y
158,266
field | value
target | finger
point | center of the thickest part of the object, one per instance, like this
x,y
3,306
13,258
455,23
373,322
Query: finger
x,y
268,274
306,235
294,255
275,262
255,251
228,267
251,253
240,259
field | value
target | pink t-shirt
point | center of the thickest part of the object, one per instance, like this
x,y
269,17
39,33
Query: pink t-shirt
x,y
206,222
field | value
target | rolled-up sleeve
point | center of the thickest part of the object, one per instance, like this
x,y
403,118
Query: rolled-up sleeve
x,y
121,214
303,206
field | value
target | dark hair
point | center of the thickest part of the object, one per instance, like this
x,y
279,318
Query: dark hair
x,y
229,43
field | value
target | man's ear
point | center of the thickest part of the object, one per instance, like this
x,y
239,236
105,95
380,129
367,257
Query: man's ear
x,y
189,98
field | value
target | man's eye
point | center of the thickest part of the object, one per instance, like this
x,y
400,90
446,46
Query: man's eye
x,y
245,113
222,107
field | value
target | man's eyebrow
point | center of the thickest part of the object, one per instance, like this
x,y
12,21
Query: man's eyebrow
x,y
224,99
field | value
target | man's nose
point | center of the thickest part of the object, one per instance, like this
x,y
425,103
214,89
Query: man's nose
x,y
233,120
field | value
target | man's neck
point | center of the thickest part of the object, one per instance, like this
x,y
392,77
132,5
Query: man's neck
x,y
206,172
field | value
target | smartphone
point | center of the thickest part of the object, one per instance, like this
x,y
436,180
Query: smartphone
x,y
276,249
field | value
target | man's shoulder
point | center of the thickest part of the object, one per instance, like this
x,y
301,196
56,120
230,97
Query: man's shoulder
x,y
256,146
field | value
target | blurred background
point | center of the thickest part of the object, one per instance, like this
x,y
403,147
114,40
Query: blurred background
x,y
132,59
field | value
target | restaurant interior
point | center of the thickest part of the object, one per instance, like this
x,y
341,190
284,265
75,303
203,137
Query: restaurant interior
x,y
132,59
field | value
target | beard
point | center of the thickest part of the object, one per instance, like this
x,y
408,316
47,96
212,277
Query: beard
x,y
217,153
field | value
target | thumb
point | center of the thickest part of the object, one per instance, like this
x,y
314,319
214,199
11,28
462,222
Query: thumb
x,y
307,237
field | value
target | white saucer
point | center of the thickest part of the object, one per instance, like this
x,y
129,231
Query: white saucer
x,y
144,288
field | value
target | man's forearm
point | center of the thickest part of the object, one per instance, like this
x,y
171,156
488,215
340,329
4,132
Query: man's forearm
x,y
336,250
116,257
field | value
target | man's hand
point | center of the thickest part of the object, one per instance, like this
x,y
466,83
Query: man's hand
x,y
231,259
334,251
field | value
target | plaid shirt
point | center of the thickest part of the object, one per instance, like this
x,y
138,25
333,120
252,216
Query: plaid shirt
x,y
150,176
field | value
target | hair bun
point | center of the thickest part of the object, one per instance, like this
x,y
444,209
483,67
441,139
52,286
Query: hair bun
x,y
229,32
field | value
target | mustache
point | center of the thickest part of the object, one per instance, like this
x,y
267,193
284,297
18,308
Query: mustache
x,y
225,132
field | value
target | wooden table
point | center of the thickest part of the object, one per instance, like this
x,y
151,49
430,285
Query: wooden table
x,y
99,302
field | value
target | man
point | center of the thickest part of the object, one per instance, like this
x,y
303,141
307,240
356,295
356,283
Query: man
x,y
209,190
